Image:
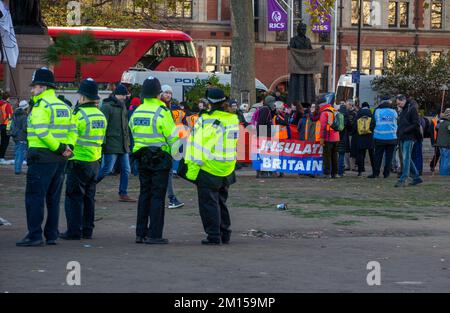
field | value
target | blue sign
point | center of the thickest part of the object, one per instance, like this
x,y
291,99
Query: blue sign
x,y
356,77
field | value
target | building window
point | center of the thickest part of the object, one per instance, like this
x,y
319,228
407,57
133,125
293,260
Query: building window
x,y
180,9
366,56
435,55
436,14
281,36
257,17
367,12
379,62
225,59
298,9
392,56
324,79
211,59
398,13
218,59
324,37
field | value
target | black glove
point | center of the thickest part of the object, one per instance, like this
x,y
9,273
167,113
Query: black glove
x,y
62,147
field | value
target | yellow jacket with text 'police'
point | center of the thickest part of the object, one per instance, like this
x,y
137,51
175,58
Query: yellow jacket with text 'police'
x,y
91,128
152,125
50,123
212,145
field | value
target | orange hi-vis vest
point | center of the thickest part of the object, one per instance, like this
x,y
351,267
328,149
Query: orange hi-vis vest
x,y
191,120
435,122
5,117
178,117
312,130
282,132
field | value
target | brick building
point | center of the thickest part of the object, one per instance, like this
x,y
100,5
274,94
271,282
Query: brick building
x,y
391,27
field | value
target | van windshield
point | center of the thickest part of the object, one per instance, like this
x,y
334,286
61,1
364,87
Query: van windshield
x,y
344,93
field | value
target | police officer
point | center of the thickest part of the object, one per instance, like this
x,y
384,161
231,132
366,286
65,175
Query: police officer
x,y
154,133
51,137
211,158
83,167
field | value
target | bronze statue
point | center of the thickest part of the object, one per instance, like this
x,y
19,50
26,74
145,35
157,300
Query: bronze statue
x,y
27,16
301,86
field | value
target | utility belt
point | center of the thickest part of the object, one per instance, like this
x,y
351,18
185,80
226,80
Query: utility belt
x,y
153,158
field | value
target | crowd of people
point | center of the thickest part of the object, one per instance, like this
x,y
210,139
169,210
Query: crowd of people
x,y
390,134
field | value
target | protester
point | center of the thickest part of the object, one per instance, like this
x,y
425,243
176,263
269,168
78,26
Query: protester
x,y
329,139
117,142
178,115
408,133
6,113
364,137
443,143
344,135
264,116
417,153
19,135
384,126
433,138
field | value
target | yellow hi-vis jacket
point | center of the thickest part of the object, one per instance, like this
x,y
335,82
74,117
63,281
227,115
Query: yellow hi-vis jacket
x,y
152,125
91,128
212,145
50,123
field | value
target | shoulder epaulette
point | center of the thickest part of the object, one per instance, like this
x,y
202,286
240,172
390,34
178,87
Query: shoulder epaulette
x,y
164,108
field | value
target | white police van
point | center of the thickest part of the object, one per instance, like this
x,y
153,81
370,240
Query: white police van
x,y
181,82
347,90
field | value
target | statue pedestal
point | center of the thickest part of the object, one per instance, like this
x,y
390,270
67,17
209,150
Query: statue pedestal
x,y
31,50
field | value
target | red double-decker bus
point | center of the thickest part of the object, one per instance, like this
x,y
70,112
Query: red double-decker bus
x,y
159,50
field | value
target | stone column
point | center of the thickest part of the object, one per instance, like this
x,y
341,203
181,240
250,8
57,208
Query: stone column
x,y
31,50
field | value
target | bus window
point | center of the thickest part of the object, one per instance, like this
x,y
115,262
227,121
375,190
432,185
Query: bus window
x,y
112,46
182,49
155,55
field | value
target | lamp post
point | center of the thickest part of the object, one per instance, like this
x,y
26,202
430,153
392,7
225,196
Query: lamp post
x,y
358,64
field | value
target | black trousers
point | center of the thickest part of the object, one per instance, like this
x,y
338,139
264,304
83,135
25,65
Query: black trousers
x,y
214,213
4,141
80,197
44,186
151,206
330,158
388,152
361,159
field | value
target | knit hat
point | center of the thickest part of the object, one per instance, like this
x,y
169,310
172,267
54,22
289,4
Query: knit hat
x,y
167,88
121,90
270,102
135,102
446,114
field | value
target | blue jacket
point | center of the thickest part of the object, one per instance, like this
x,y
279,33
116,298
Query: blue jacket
x,y
385,123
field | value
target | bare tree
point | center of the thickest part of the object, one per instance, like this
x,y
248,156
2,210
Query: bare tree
x,y
243,51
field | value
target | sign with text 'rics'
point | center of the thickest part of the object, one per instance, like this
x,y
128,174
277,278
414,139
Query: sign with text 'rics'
x,y
277,16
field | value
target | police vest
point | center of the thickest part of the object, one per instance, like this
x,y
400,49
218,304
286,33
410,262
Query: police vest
x,y
212,145
50,123
91,126
385,124
152,125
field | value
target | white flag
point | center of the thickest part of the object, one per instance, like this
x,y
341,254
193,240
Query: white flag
x,y
9,47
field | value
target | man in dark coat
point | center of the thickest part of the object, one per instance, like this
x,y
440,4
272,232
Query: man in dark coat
x,y
117,141
344,135
264,123
408,134
364,141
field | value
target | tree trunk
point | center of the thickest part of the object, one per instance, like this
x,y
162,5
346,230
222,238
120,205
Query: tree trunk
x,y
243,50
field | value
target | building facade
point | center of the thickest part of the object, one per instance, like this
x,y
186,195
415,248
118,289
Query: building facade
x,y
390,28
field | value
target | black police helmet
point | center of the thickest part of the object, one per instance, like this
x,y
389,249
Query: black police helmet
x,y
216,96
151,88
43,76
89,89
